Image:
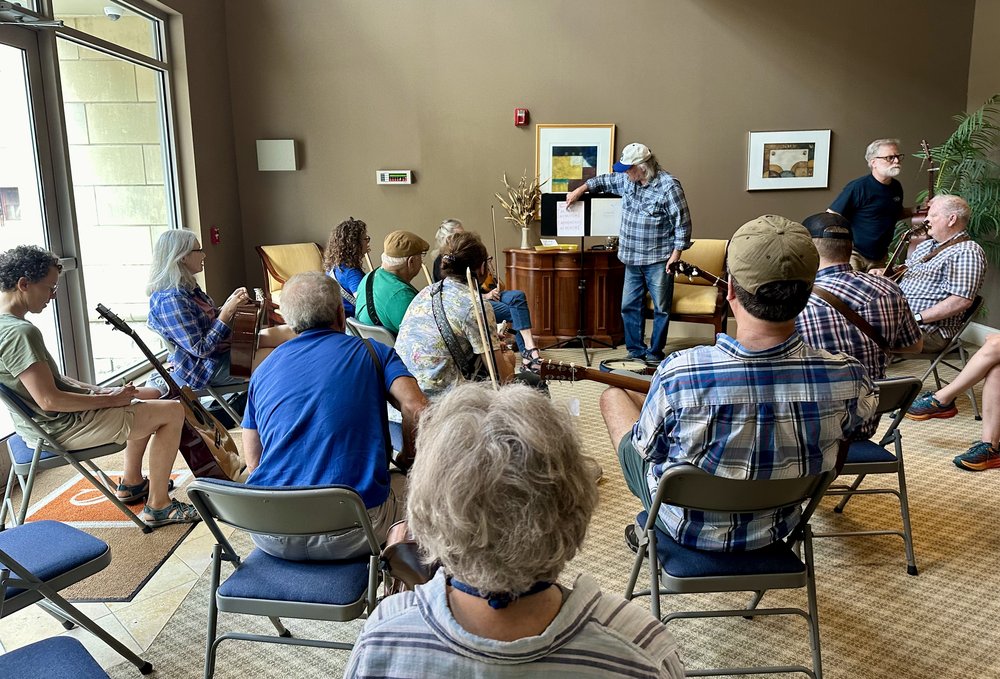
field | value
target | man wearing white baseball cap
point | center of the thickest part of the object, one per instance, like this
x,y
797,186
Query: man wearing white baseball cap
x,y
655,228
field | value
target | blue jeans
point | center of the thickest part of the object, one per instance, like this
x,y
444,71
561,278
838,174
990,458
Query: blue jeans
x,y
638,280
513,307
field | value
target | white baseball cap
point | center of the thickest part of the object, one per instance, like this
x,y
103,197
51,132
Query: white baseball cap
x,y
632,154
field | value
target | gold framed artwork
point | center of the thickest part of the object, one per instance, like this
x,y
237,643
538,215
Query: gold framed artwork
x,y
568,155
796,159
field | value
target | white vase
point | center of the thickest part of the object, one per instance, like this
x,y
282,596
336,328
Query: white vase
x,y
525,235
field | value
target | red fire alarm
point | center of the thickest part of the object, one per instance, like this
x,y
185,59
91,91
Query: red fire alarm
x,y
520,117
214,235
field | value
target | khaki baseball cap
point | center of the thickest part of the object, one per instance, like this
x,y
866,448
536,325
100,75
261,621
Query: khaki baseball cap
x,y
404,244
771,248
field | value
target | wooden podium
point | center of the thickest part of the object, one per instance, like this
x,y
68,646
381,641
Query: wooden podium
x,y
550,281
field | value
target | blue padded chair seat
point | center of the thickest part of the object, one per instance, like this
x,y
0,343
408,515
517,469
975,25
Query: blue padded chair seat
x,y
683,562
23,452
868,452
27,544
54,658
262,576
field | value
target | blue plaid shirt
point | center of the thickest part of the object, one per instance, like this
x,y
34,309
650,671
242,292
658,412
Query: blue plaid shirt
x,y
655,217
201,339
958,270
771,414
877,300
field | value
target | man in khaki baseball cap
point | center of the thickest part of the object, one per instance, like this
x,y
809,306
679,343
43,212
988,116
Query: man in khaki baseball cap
x,y
386,293
760,405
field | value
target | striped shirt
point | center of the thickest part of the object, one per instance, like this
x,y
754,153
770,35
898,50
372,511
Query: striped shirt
x,y
414,634
655,217
958,270
189,319
876,299
771,414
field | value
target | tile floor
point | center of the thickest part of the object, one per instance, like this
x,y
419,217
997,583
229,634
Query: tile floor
x,y
135,623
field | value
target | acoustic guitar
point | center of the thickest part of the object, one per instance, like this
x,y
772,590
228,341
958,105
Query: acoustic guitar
x,y
557,370
205,444
247,322
682,268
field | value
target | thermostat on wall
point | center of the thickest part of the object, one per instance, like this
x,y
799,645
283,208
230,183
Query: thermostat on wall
x,y
393,177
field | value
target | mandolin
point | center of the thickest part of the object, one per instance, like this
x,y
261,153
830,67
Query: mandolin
x,y
247,322
894,271
205,444
557,370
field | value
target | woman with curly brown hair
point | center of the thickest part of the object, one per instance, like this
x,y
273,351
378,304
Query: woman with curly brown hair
x,y
349,242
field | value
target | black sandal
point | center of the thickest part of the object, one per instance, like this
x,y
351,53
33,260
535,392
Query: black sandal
x,y
138,492
531,360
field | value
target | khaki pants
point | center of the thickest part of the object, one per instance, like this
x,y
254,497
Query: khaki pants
x,y
861,263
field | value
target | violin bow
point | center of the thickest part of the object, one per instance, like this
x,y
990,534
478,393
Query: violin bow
x,y
427,273
368,258
480,314
496,272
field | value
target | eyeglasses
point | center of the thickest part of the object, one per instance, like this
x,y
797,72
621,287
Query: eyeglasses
x,y
53,289
368,239
198,250
894,158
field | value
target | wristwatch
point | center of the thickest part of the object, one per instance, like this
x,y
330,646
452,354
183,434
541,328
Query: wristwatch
x,y
919,318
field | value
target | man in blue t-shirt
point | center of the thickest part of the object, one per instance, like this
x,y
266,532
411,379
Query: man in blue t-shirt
x,y
315,414
873,204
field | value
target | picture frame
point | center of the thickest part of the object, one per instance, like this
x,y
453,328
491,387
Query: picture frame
x,y
567,155
792,159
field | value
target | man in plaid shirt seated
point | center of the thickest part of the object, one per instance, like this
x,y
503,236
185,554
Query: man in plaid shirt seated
x,y
944,273
761,405
656,227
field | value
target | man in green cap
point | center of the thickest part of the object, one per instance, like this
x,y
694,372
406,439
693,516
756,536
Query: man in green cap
x,y
386,293
761,405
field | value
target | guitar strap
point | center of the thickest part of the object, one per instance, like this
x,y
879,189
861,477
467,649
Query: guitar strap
x,y
928,257
348,296
370,298
464,359
386,437
853,317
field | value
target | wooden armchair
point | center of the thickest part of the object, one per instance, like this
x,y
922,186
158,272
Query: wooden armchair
x,y
697,300
280,263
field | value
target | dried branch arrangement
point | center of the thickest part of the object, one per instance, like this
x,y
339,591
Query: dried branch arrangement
x,y
522,201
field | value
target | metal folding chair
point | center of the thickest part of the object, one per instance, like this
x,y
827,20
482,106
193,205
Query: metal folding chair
x,y
868,457
778,566
373,332
40,558
267,586
52,658
26,461
954,349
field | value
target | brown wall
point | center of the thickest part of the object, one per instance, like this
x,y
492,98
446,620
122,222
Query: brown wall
x,y
431,86
984,82
207,160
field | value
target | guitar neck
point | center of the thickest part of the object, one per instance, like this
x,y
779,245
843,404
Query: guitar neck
x,y
682,268
554,370
122,326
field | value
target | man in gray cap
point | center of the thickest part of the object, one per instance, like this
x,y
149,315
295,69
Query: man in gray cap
x,y
887,324
385,293
655,228
762,405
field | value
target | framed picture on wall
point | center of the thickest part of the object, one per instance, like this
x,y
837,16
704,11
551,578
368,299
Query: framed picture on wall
x,y
796,159
568,155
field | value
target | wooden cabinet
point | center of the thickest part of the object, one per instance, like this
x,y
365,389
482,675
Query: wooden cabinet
x,y
551,282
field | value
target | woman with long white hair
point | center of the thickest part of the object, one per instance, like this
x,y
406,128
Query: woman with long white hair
x,y
184,315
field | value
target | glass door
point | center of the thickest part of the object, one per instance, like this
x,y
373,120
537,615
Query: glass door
x,y
27,215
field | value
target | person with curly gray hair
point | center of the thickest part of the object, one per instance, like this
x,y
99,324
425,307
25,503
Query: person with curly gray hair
x,y
501,496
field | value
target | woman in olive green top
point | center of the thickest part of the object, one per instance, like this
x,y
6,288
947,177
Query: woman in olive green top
x,y
79,415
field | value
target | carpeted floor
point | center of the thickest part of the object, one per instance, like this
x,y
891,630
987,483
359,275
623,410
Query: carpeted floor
x,y
876,621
